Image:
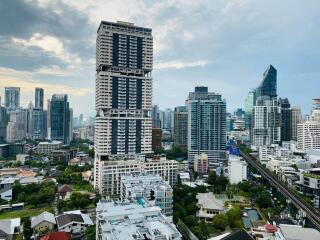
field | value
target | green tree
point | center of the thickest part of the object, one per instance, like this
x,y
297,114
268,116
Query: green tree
x,y
220,221
90,233
234,217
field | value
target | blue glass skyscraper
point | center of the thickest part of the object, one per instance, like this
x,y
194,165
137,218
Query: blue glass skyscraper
x,y
268,86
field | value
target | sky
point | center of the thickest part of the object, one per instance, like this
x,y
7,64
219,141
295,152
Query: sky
x,y
223,44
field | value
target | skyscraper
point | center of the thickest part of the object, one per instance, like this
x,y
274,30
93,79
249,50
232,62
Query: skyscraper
x,y
60,118
296,119
206,126
156,117
123,127
181,126
168,119
268,85
286,120
266,116
39,93
248,108
315,114
12,98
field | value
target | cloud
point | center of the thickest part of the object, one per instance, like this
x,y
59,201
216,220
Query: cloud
x,y
11,77
180,64
49,44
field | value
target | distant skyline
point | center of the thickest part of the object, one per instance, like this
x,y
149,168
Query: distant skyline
x,y
225,45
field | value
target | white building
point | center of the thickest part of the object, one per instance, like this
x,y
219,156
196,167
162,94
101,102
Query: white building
x,y
17,127
131,221
295,232
237,169
113,170
73,222
209,206
309,135
123,127
296,118
266,127
148,187
48,147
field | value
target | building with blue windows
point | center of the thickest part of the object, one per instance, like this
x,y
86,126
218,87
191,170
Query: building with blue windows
x,y
60,118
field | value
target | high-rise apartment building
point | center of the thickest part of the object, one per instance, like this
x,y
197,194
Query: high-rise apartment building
x,y
156,117
123,127
248,108
266,128
12,98
286,120
17,127
296,119
206,126
168,116
60,118
309,135
39,94
181,126
266,116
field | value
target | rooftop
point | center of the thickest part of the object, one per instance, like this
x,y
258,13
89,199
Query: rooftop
x,y
209,201
294,232
132,221
45,216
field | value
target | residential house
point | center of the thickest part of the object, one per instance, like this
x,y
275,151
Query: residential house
x,y
10,227
42,222
64,192
209,206
73,222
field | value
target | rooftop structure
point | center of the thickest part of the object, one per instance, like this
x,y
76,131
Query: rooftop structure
x,y
131,221
150,187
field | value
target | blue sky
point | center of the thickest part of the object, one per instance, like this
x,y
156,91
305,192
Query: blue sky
x,y
225,45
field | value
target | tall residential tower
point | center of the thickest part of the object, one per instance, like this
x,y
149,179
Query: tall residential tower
x,y
206,126
123,128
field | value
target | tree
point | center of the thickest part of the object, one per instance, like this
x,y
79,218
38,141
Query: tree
x,y
190,221
90,233
220,221
264,200
27,231
234,217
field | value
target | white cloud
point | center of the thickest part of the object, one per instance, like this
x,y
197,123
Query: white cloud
x,y
49,44
180,64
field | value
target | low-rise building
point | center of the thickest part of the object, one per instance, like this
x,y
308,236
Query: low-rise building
x,y
64,192
149,187
73,222
310,182
209,206
48,147
132,221
295,232
57,236
9,228
42,222
237,169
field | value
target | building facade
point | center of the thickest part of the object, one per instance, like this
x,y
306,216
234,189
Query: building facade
x,y
308,135
39,95
296,119
148,187
124,61
60,118
181,126
286,119
12,98
206,126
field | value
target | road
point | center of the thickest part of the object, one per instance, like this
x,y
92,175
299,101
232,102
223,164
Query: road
x,y
310,211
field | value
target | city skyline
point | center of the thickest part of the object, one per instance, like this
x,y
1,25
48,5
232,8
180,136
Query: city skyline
x,y
187,52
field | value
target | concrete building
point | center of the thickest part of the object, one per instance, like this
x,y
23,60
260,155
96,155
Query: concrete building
x,y
123,128
206,126
201,164
181,126
296,119
113,170
315,114
17,127
132,221
237,169
12,98
48,147
308,135
296,232
4,119
209,206
148,187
